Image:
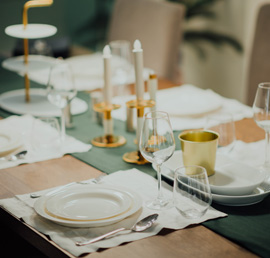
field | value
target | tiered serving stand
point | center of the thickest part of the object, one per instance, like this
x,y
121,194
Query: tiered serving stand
x,y
30,101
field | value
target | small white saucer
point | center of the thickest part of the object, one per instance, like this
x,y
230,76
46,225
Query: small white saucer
x,y
32,31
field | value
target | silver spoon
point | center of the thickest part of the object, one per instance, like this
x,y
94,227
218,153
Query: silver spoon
x,y
19,155
141,225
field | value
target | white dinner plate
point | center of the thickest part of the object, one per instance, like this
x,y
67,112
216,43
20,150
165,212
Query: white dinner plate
x,y
256,196
32,31
40,207
14,102
94,204
9,141
36,63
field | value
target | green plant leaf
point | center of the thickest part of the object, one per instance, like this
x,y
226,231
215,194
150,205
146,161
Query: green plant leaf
x,y
194,37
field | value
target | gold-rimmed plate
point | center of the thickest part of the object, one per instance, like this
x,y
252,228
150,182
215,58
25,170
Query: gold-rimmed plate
x,y
40,207
92,204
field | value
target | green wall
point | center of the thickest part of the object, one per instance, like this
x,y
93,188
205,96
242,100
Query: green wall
x,y
84,21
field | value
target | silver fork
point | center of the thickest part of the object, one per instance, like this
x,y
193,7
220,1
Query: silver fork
x,y
95,181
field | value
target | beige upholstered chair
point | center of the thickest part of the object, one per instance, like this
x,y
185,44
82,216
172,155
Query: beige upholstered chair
x,y
259,61
158,25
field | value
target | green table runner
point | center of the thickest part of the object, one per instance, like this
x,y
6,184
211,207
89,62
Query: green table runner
x,y
247,226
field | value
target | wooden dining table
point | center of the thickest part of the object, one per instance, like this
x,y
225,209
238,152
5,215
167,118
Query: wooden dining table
x,y
193,241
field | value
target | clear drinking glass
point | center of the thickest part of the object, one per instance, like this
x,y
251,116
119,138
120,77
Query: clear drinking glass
x,y
45,136
61,89
261,115
157,145
121,65
191,191
223,124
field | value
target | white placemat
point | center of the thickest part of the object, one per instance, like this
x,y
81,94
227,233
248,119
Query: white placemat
x,y
143,184
23,125
188,106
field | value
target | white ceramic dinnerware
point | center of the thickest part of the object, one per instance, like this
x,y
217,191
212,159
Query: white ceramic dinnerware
x,y
236,183
190,101
14,102
88,205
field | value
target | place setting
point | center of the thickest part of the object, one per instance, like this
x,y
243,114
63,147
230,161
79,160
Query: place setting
x,y
232,182
74,215
28,139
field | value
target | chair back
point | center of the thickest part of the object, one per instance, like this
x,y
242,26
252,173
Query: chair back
x,y
158,26
259,62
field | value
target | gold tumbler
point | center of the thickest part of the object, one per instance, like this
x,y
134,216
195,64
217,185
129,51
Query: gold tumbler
x,y
199,148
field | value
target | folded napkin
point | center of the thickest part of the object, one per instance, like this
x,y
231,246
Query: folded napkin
x,y
252,154
23,126
143,184
188,105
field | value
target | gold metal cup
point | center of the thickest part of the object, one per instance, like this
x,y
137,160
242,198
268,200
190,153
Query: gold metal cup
x,y
199,148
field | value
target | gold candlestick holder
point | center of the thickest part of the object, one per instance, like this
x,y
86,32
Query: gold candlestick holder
x,y
107,140
136,157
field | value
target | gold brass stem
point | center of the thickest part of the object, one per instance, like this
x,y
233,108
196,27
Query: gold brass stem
x,y
34,3
27,87
27,5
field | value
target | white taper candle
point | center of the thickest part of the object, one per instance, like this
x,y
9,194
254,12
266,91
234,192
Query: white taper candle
x,y
152,87
107,90
138,63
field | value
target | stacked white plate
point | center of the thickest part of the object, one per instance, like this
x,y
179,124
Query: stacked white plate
x,y
233,184
88,205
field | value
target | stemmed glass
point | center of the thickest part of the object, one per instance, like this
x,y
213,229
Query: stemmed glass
x,y
223,124
157,145
122,64
61,89
261,115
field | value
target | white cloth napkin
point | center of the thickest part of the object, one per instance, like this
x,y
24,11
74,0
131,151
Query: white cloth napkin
x,y
188,105
23,126
252,154
143,184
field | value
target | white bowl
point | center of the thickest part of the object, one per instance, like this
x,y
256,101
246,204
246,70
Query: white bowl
x,y
234,178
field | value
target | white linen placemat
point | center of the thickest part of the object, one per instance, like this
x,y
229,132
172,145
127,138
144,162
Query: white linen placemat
x,y
195,102
23,126
143,184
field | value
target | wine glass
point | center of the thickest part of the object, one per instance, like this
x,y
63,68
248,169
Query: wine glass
x,y
61,89
191,191
261,115
121,64
223,124
157,145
